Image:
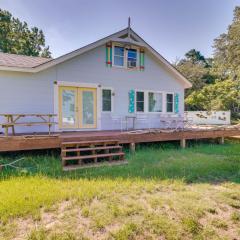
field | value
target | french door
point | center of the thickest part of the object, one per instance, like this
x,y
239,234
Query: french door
x,y
77,107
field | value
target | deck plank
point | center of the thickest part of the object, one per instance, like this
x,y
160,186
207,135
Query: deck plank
x,y
42,141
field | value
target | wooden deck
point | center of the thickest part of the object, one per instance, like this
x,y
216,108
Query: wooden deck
x,y
41,141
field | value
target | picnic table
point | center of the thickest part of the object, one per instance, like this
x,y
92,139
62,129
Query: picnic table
x,y
12,120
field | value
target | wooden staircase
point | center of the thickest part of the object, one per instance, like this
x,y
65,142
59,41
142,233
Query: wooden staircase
x,y
85,154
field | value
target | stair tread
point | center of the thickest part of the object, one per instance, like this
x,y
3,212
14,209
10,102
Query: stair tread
x,y
93,156
90,142
89,149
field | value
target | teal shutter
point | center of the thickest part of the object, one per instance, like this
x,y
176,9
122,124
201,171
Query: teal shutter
x,y
176,102
131,107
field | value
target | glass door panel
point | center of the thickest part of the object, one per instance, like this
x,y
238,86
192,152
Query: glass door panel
x,y
88,107
68,107
77,107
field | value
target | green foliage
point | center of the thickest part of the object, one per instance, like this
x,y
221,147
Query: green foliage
x,y
235,217
218,223
192,225
226,62
126,232
223,95
196,68
16,37
208,92
37,235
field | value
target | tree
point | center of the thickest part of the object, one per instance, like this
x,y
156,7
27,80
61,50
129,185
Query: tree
x,y
196,68
16,37
223,95
226,62
195,57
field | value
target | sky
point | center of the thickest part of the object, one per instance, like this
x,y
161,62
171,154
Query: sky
x,y
172,27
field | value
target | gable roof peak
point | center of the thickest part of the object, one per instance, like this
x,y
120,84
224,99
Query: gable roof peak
x,y
136,40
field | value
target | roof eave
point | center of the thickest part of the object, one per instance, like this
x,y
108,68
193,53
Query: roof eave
x,y
17,69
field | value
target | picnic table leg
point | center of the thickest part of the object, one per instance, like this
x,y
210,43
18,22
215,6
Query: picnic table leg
x,y
6,131
49,129
6,128
13,129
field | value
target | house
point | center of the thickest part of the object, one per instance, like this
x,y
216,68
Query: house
x,y
95,87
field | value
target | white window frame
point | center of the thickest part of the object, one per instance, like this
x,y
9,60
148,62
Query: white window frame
x,y
125,60
161,92
113,55
144,102
112,99
173,109
137,57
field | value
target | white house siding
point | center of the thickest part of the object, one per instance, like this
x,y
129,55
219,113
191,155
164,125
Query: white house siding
x,y
34,93
27,93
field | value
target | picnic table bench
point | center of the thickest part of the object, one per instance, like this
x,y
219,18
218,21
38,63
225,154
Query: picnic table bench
x,y
12,120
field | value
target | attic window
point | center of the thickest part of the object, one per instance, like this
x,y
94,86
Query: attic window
x,y
118,56
126,56
132,58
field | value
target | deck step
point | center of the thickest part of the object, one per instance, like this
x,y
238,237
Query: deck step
x,y
93,156
89,149
90,142
91,153
100,164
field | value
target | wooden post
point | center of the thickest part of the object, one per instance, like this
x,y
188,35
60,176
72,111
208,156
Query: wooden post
x,y
132,147
183,143
221,140
78,154
63,155
11,120
6,131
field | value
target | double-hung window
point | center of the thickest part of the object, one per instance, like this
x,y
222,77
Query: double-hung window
x,y
155,102
169,102
139,101
106,100
132,58
118,56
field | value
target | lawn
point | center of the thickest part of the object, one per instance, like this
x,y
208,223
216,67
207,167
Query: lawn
x,y
163,193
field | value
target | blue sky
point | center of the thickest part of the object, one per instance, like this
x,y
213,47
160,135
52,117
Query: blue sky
x,y
172,27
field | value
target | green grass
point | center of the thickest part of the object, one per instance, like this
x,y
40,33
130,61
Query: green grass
x,y
198,163
163,193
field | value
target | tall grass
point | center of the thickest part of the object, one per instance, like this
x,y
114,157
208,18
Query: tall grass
x,y
198,163
150,198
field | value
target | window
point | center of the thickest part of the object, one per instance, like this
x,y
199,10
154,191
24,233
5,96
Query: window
x,y
154,102
132,58
140,101
118,56
106,100
169,98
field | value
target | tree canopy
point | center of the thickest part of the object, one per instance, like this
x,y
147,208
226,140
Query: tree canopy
x,y
16,37
226,62
223,95
197,69
216,80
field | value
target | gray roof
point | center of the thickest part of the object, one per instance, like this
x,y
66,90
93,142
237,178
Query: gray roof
x,y
14,60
